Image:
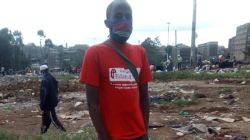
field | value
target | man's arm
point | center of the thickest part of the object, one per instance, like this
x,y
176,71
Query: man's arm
x,y
95,114
43,94
144,102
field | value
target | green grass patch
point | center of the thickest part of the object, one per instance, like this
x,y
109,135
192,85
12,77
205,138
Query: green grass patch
x,y
34,78
225,90
4,135
179,102
184,102
66,77
8,107
189,74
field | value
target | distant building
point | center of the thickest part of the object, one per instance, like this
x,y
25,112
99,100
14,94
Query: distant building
x,y
208,50
231,46
239,46
53,58
223,51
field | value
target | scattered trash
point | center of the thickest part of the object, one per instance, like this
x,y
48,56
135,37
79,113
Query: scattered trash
x,y
228,136
78,104
77,116
243,82
208,118
156,125
213,131
246,119
239,137
228,96
216,80
21,91
34,111
186,92
154,99
193,128
80,131
180,134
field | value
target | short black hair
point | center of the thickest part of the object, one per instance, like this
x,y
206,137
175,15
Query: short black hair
x,y
110,6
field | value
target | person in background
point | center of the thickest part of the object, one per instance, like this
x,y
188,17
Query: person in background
x,y
3,71
118,103
179,61
170,66
49,100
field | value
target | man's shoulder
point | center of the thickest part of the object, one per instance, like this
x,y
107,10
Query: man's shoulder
x,y
96,48
137,48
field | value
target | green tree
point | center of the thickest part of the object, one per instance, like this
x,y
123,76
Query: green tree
x,y
152,49
18,39
11,55
49,43
5,48
41,34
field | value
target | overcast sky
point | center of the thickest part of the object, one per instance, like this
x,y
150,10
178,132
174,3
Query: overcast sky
x,y
81,21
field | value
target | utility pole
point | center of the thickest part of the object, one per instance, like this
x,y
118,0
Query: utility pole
x,y
175,37
168,32
193,54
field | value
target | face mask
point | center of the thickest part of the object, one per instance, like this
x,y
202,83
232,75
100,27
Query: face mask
x,y
120,30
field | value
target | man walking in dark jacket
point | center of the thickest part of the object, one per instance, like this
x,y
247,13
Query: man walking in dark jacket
x,y
49,100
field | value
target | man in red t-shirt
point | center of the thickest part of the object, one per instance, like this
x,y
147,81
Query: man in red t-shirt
x,y
118,104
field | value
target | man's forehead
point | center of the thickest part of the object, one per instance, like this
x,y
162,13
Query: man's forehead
x,y
121,5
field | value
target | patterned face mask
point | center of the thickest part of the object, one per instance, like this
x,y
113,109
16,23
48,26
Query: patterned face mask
x,y
120,30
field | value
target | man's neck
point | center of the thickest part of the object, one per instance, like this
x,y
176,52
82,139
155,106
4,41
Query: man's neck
x,y
115,43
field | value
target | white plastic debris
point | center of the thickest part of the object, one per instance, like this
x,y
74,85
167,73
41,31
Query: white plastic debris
x,y
216,80
180,134
243,82
246,119
209,118
77,104
186,92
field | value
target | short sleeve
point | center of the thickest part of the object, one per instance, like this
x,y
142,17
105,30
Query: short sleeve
x,y
90,73
145,74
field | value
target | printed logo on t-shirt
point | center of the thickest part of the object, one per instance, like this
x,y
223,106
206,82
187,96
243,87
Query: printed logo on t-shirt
x,y
119,75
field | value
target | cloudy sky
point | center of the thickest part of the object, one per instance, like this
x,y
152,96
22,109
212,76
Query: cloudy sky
x,y
81,21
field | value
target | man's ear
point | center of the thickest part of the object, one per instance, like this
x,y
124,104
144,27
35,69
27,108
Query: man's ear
x,y
106,22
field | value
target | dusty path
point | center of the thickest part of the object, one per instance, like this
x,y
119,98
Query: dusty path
x,y
19,111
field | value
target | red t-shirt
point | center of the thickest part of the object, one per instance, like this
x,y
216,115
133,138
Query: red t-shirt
x,y
118,90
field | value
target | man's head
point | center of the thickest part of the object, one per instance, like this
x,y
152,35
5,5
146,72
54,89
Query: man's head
x,y
119,20
44,69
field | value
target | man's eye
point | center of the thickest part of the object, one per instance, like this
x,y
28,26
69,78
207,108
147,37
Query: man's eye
x,y
118,16
128,16
121,16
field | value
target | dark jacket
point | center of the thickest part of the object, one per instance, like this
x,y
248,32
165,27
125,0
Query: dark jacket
x,y
48,92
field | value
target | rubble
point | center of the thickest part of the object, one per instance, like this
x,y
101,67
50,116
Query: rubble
x,y
193,128
75,116
246,119
210,118
156,125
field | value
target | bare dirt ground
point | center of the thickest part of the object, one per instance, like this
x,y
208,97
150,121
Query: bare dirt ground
x,y
221,110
